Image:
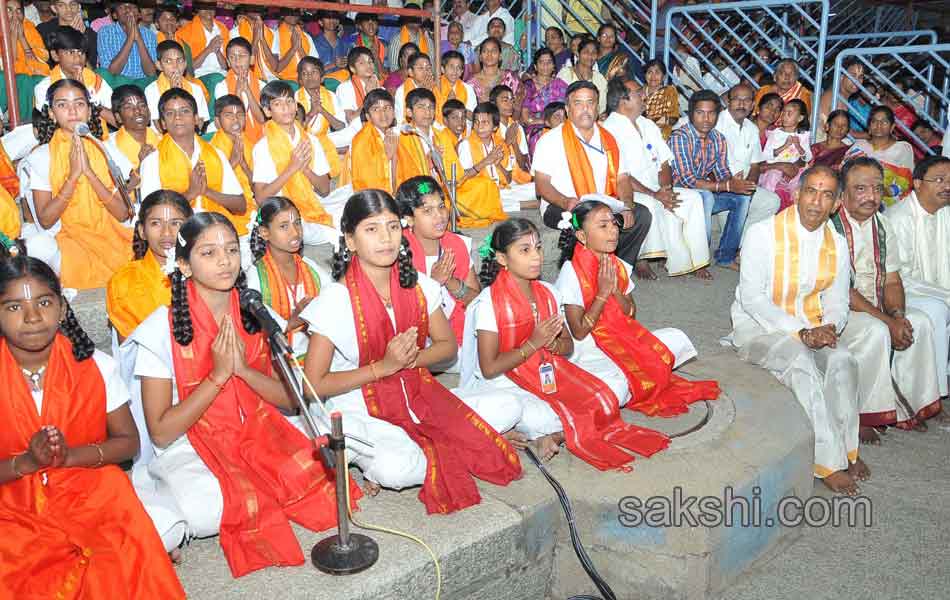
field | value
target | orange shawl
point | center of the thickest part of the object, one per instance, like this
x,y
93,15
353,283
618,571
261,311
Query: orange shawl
x,y
37,66
246,31
644,359
253,128
284,35
92,242
442,94
193,34
266,467
135,291
368,152
518,175
581,173
405,38
9,215
477,148
72,533
222,142
321,127
298,186
129,146
164,85
8,177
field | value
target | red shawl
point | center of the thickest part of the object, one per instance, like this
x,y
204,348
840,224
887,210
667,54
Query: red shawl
x,y
266,467
77,532
588,409
457,443
450,241
645,360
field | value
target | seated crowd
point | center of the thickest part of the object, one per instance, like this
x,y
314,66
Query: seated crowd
x,y
231,144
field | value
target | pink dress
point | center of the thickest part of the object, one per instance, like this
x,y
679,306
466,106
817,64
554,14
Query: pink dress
x,y
776,181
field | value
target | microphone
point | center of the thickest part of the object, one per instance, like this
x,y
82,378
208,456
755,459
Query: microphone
x,y
253,302
83,131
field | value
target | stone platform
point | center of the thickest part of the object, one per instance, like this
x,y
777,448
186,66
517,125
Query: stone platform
x,y
515,544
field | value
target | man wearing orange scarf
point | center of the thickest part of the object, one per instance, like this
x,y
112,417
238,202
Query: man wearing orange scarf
x,y
185,163
372,158
242,81
291,44
790,317
580,157
207,39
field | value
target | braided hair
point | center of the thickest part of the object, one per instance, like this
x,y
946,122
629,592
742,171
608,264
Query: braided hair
x,y
154,200
189,233
410,193
46,125
22,266
569,236
504,235
266,212
360,206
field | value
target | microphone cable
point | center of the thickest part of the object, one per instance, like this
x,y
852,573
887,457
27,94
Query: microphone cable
x,y
349,510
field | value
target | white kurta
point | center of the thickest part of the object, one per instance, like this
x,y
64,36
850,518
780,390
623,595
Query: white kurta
x,y
825,382
923,240
743,149
678,235
152,180
537,416
152,96
394,461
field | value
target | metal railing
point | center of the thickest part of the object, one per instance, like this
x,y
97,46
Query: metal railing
x,y
922,78
781,26
838,42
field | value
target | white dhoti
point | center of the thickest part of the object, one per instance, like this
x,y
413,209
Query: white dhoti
x,y
938,313
516,193
825,383
763,205
500,410
678,235
314,235
869,341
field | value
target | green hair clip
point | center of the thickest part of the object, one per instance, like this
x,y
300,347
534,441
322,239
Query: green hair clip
x,y
574,222
424,188
9,245
485,250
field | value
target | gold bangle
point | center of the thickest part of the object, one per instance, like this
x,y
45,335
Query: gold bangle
x,y
372,368
13,466
589,321
602,298
102,457
533,347
524,357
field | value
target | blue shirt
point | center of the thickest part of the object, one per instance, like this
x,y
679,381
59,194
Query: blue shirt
x,y
111,38
328,54
695,159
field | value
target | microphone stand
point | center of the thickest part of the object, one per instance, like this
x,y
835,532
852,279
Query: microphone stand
x,y
345,553
114,171
451,184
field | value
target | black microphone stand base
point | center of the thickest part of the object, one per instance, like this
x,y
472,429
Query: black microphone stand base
x,y
330,557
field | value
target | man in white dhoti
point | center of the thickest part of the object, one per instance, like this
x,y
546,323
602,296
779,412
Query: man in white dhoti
x,y
893,343
789,314
745,151
678,231
921,226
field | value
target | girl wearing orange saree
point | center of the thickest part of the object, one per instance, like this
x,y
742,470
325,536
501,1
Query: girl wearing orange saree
x,y
515,341
72,526
227,461
597,288
72,185
374,367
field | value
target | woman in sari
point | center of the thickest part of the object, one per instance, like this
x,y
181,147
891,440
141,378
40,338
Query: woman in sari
x,y
541,88
830,153
397,76
613,59
490,72
661,102
895,156
583,70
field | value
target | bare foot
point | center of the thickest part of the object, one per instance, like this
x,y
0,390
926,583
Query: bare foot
x,y
644,271
549,445
919,425
518,440
733,265
370,488
175,556
942,417
703,274
859,470
868,435
840,482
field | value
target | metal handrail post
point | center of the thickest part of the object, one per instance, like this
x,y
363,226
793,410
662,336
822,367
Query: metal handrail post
x,y
7,61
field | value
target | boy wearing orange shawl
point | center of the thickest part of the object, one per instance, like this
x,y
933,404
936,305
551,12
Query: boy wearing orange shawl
x,y
242,81
372,159
71,184
250,26
135,139
232,140
171,64
67,49
419,68
455,119
73,526
320,109
486,164
512,132
289,161
185,163
413,155
207,38
291,44
451,85
351,94
29,59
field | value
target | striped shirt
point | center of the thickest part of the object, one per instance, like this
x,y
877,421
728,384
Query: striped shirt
x,y
110,42
695,158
